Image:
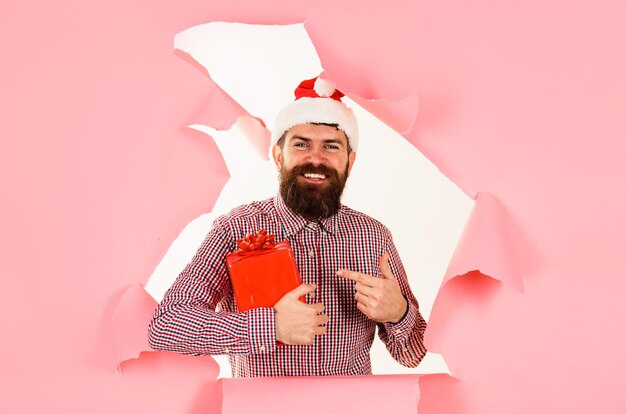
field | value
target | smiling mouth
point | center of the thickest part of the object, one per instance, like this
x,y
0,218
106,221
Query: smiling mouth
x,y
315,177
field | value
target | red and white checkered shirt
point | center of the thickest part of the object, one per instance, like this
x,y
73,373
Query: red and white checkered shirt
x,y
187,321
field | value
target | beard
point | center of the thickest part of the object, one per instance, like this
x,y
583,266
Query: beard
x,y
312,201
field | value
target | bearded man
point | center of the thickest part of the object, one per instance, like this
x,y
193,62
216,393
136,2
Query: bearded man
x,y
353,279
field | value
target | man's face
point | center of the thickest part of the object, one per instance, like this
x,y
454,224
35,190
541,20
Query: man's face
x,y
313,164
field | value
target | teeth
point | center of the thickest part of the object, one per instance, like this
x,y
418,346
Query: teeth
x,y
312,175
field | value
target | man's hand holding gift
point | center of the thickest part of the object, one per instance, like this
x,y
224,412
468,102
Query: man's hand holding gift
x,y
298,323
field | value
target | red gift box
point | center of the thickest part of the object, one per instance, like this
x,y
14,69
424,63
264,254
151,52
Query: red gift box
x,y
262,272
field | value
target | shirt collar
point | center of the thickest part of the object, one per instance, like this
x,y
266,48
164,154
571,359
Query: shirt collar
x,y
293,223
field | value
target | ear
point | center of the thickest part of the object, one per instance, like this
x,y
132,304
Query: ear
x,y
351,158
277,154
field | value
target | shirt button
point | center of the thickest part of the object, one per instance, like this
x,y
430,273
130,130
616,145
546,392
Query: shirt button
x,y
262,348
226,350
310,225
311,253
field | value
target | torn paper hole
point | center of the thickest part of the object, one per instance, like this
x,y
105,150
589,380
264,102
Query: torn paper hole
x,y
259,66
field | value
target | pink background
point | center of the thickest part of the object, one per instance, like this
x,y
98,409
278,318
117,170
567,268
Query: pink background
x,y
523,100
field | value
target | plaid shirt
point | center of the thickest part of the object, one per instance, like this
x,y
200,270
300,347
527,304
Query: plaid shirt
x,y
186,321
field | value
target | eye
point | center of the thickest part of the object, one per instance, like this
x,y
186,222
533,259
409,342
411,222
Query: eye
x,y
333,147
300,144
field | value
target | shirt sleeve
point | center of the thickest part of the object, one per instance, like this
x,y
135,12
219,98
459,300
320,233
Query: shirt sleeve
x,y
404,340
186,321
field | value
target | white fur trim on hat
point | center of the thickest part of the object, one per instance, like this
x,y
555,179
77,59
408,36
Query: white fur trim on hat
x,y
317,110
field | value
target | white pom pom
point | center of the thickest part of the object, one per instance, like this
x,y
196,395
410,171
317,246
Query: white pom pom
x,y
324,88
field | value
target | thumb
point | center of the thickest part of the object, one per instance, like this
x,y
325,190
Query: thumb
x,y
383,264
303,290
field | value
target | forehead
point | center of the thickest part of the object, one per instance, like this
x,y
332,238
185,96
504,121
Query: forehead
x,y
316,132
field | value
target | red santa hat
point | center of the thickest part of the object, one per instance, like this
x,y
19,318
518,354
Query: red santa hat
x,y
317,101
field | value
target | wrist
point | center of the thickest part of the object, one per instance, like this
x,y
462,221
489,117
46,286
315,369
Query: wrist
x,y
403,311
277,332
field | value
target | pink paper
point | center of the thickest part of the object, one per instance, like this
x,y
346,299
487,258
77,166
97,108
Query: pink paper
x,y
257,135
399,115
130,322
314,395
523,100
466,293
188,383
486,245
440,393
484,250
206,113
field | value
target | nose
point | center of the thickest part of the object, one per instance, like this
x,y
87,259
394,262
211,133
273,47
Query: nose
x,y
316,156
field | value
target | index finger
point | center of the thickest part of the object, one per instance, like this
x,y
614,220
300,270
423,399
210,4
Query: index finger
x,y
356,276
